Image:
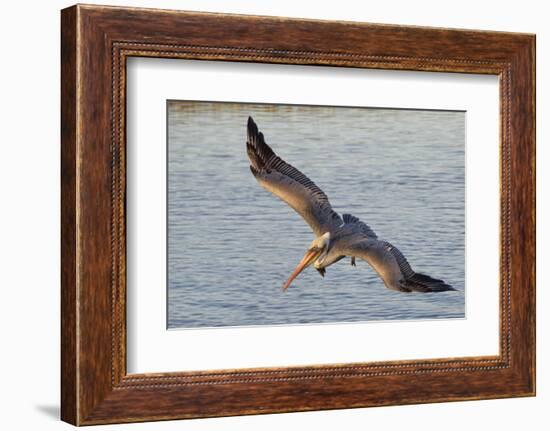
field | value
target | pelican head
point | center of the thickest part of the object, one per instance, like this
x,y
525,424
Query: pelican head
x,y
316,252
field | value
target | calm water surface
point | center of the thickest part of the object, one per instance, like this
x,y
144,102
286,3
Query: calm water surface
x,y
231,244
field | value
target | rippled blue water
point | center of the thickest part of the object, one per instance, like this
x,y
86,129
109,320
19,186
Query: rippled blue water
x,y
231,244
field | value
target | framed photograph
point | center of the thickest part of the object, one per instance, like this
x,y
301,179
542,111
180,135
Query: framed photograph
x,y
264,214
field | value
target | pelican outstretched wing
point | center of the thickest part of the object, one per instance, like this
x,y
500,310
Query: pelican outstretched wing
x,y
392,267
289,184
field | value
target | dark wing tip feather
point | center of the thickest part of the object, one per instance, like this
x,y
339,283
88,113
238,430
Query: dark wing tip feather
x,y
415,281
251,127
258,151
424,283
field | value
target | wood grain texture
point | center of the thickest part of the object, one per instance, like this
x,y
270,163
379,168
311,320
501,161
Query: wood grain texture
x,y
69,397
96,41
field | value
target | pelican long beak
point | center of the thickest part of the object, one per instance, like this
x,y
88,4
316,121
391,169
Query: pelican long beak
x,y
308,258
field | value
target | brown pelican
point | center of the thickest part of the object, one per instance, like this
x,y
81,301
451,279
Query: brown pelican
x,y
336,237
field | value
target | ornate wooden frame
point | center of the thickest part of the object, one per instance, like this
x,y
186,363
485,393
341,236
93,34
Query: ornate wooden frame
x,y
95,43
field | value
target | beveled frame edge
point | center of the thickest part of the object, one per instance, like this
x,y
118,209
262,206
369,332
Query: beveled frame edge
x,y
96,41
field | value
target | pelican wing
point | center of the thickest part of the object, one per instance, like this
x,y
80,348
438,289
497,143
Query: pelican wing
x,y
393,268
289,184
357,226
